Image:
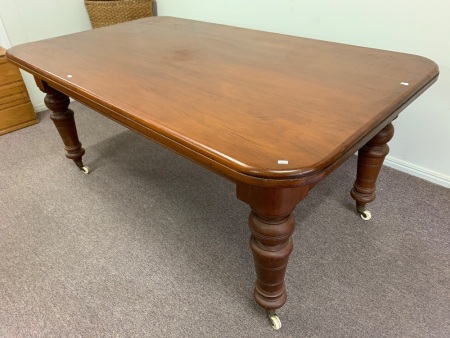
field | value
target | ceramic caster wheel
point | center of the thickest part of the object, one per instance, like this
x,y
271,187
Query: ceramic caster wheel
x,y
275,321
85,170
366,215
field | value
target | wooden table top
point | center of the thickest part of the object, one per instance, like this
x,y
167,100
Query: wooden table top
x,y
264,105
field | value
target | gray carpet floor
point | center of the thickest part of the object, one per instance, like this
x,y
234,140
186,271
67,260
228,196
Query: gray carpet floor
x,y
152,245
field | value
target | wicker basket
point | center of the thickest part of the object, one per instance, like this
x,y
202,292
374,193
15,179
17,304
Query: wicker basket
x,y
110,12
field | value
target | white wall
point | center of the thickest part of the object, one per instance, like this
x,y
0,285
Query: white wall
x,y
31,20
420,145
4,40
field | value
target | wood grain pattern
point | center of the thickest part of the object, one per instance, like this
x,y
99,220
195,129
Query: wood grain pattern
x,y
17,117
232,99
16,110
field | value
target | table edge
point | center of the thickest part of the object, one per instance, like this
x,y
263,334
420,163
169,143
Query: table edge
x,y
210,160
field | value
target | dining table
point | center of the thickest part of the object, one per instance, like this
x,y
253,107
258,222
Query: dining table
x,y
274,114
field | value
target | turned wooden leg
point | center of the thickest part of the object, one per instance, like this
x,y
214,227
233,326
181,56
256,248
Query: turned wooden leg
x,y
271,245
64,121
271,223
370,160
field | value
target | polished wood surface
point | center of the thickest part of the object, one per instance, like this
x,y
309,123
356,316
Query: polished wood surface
x,y
242,100
273,113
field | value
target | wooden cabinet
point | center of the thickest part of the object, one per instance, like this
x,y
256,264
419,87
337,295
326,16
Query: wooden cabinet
x,y
16,110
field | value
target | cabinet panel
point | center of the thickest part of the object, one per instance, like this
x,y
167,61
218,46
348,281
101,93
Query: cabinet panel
x,y
16,110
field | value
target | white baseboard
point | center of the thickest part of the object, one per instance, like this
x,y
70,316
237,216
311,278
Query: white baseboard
x,y
39,107
418,171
